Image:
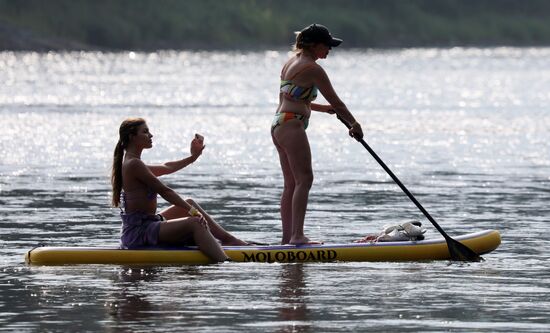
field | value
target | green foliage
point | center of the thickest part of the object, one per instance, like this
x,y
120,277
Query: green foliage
x,y
152,24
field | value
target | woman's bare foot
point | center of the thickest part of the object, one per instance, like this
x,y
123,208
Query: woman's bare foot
x,y
302,241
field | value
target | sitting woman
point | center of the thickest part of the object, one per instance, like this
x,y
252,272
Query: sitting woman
x,y
137,185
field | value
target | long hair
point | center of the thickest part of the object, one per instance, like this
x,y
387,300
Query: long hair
x,y
127,128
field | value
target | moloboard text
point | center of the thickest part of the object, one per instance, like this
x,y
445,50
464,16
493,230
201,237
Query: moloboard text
x,y
290,256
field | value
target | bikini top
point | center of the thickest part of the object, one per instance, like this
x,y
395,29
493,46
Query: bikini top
x,y
295,92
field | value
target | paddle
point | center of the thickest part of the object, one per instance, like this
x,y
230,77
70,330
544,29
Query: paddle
x,y
458,251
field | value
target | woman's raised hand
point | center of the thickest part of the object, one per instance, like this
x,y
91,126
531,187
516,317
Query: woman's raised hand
x,y
197,145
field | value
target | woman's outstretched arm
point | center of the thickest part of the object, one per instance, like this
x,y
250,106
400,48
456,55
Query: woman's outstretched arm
x,y
322,81
197,146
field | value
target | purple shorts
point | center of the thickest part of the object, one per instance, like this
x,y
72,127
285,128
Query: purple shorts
x,y
139,229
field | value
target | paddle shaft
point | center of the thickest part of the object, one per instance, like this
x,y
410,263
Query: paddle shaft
x,y
398,182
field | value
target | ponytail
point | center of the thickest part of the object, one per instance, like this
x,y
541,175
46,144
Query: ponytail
x,y
299,45
116,174
127,128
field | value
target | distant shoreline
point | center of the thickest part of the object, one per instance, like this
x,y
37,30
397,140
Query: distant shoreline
x,y
149,25
23,40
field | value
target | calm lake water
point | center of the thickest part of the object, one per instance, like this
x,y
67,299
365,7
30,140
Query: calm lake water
x,y
467,130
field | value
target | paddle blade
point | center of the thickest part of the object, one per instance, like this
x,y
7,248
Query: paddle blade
x,y
460,252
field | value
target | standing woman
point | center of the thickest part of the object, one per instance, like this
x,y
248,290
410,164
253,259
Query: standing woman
x,y
301,78
137,185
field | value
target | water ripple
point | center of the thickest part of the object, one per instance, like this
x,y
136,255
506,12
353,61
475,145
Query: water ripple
x,y
458,126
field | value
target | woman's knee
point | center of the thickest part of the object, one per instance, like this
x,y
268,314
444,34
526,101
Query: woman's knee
x,y
304,178
191,201
289,184
196,222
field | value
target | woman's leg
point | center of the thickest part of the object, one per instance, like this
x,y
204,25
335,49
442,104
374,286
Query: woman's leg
x,y
292,138
172,231
286,196
174,212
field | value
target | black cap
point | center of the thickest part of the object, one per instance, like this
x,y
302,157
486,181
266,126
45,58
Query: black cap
x,y
317,33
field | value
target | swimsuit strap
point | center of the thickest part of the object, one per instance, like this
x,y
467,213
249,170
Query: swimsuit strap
x,y
300,71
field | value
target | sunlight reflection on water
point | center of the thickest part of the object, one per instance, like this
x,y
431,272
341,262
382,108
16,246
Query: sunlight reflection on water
x,y
460,127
